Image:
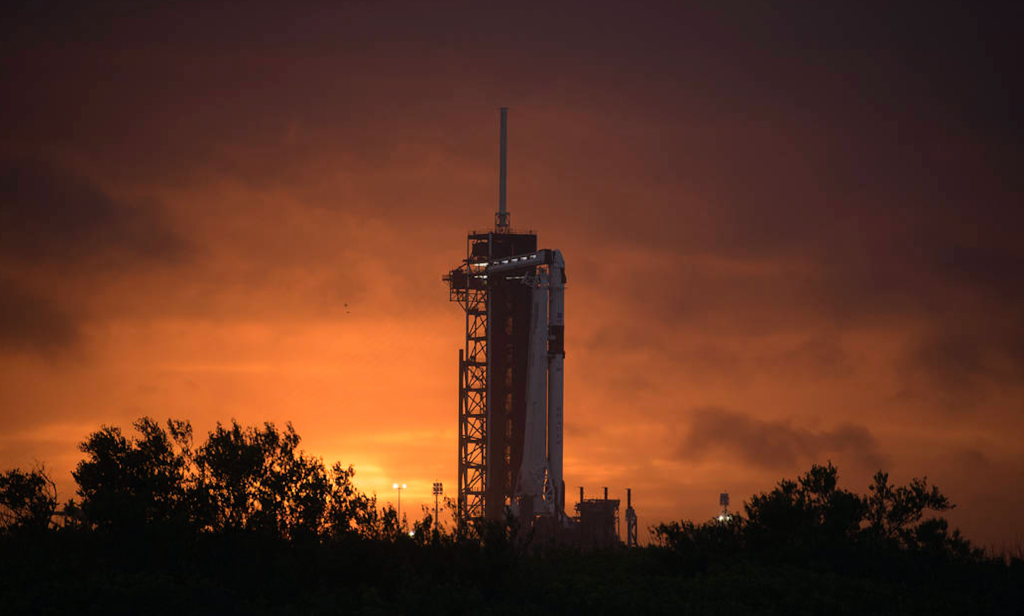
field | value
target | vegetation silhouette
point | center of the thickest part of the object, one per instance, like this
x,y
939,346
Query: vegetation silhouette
x,y
247,522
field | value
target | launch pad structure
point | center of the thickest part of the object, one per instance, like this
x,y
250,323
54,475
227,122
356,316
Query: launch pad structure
x,y
511,369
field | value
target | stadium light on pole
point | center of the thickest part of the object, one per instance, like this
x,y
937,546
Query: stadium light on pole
x,y
399,487
438,490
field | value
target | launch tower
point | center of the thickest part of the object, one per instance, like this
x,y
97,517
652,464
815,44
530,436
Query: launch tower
x,y
510,371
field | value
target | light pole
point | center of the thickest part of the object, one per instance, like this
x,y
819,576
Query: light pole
x,y
399,486
723,501
438,490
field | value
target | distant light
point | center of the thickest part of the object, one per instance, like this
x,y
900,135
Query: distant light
x,y
394,486
412,533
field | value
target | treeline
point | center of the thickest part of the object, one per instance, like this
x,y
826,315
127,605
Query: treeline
x,y
813,520
252,479
246,521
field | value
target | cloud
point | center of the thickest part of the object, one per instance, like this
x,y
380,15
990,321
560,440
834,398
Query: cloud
x,y
772,444
963,361
993,270
62,239
810,359
30,322
51,216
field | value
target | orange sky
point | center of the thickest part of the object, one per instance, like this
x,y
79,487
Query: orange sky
x,y
792,235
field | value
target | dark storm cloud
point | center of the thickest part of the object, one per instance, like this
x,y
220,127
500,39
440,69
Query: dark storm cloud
x,y
49,215
32,323
956,363
962,365
61,239
772,444
994,270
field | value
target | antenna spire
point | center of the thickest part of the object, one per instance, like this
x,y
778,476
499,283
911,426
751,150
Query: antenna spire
x,y
501,218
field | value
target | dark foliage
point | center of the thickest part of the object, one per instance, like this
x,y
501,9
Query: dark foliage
x,y
128,483
812,521
248,523
28,500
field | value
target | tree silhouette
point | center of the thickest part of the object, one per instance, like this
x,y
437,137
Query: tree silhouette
x,y
28,500
257,480
893,510
813,520
895,515
807,515
349,512
125,483
240,479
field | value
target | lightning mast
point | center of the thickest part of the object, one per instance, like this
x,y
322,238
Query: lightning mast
x,y
501,217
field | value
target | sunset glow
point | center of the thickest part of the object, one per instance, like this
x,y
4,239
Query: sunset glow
x,y
783,245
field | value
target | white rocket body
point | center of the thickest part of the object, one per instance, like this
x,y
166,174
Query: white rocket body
x,y
533,472
540,489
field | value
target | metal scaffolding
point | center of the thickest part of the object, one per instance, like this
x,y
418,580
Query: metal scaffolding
x,y
467,288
